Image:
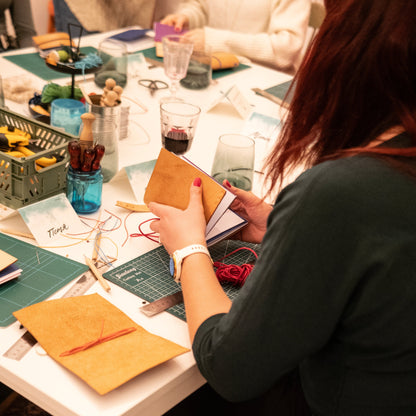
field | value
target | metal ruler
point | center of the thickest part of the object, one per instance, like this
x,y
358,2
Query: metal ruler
x,y
23,345
162,304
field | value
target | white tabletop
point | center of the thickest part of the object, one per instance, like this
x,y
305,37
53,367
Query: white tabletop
x,y
39,378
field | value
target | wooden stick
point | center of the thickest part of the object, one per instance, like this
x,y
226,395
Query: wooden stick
x,y
271,97
97,274
97,243
133,207
86,96
86,138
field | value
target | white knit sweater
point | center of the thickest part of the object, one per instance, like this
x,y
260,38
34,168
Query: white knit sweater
x,y
271,32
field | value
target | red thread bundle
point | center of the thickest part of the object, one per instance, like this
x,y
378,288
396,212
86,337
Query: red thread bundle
x,y
232,273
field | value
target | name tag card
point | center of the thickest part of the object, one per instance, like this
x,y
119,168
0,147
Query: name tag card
x,y
138,176
53,221
237,100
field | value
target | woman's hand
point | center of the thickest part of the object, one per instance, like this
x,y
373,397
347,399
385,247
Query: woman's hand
x,y
196,36
180,228
252,209
179,21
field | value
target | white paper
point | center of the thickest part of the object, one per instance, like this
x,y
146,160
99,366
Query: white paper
x,y
222,207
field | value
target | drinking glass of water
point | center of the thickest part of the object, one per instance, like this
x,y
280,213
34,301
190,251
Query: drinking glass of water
x,y
234,161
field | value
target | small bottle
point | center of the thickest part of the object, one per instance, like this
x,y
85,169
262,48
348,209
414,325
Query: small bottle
x,y
84,190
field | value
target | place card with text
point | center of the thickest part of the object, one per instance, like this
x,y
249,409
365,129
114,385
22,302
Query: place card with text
x,y
53,221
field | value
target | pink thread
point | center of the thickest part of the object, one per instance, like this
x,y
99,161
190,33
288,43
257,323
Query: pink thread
x,y
232,273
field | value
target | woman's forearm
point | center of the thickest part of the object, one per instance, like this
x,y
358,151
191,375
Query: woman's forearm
x,y
203,294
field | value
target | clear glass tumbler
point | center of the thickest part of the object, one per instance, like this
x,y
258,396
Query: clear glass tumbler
x,y
234,161
114,56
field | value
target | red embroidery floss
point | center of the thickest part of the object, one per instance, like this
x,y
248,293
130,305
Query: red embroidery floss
x,y
98,341
150,235
232,273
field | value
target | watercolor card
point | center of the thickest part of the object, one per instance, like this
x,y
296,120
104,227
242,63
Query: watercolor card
x,y
52,221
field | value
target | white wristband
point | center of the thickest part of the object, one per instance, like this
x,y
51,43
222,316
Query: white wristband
x,y
179,255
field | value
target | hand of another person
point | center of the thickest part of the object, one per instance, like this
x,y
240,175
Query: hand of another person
x,y
254,210
196,36
180,228
179,21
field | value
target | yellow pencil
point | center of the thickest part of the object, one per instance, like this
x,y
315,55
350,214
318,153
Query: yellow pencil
x,y
97,274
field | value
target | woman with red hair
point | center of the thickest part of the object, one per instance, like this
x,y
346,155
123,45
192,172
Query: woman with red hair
x,y
325,323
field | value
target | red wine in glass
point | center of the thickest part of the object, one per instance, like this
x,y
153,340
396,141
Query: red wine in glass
x,y
176,141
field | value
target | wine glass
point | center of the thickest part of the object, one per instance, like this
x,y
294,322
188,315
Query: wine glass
x,y
177,52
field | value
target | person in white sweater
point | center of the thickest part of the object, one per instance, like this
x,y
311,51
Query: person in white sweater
x,y
269,32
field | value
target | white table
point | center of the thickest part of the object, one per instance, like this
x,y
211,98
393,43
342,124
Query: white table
x,y
42,380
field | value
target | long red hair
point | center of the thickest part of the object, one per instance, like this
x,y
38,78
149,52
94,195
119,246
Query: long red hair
x,y
358,79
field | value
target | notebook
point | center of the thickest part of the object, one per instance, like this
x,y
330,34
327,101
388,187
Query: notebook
x,y
8,270
170,183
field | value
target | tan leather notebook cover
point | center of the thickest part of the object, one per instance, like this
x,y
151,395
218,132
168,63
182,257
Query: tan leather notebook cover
x,y
6,259
82,323
171,180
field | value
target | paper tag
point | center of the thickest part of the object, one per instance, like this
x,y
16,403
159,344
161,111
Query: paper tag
x,y
237,100
138,176
52,221
264,130
137,66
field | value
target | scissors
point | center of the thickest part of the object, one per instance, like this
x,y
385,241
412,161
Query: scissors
x,y
153,85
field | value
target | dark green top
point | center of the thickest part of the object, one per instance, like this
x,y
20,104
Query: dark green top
x,y
333,293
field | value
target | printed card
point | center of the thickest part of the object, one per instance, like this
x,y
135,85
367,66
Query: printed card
x,y
52,221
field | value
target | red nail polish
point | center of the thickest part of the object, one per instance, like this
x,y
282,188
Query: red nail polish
x,y
227,184
197,182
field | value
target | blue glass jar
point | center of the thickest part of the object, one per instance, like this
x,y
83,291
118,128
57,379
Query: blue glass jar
x,y
84,190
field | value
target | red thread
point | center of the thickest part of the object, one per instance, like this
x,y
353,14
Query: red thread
x,y
98,341
232,273
149,235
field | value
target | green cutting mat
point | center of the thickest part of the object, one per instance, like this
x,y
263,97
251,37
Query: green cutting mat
x,y
280,91
43,274
148,276
151,54
33,63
